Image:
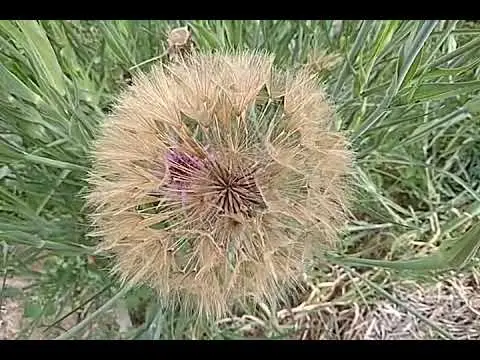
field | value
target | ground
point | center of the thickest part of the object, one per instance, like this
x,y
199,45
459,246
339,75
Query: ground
x,y
11,313
453,304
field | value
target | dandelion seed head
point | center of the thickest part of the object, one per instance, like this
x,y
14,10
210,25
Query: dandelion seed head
x,y
217,178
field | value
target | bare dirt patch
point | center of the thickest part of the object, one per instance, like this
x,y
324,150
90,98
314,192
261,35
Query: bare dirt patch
x,y
11,312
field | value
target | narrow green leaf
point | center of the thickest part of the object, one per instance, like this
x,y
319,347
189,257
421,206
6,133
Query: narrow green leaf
x,y
80,326
44,54
452,254
79,307
474,44
52,162
64,248
473,106
428,127
410,51
15,86
439,91
352,55
8,26
204,37
117,43
408,55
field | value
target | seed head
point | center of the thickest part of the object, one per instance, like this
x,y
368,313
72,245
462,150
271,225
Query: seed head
x,y
216,178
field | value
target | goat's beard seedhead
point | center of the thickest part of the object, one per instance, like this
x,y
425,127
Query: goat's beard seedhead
x,y
216,179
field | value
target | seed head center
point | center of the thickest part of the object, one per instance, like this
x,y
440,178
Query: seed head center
x,y
227,190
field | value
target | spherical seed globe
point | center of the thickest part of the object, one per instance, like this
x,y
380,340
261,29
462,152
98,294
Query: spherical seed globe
x,y
216,178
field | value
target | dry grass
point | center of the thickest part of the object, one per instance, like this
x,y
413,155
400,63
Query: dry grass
x,y
452,304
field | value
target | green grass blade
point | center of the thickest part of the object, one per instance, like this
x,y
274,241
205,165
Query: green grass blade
x,y
80,326
439,91
15,86
454,254
411,51
472,45
42,52
407,57
352,55
429,127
